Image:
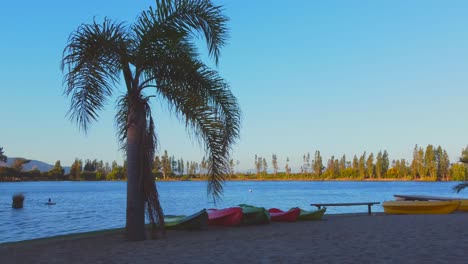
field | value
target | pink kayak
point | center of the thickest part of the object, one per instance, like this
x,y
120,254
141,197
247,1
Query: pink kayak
x,y
284,216
226,217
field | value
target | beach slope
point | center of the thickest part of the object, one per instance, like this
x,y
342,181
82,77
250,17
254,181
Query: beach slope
x,y
337,239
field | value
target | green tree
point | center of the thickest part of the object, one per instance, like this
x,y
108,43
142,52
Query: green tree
x,y
362,166
18,164
420,163
156,54
402,169
331,171
342,165
306,163
457,175
355,166
430,164
203,167
370,166
57,171
464,157
458,172
157,165
166,165
385,163
2,155
90,165
378,165
75,169
317,164
231,167
258,165
287,168
274,163
444,166
117,172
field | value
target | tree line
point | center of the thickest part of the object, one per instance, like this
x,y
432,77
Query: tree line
x,y
428,164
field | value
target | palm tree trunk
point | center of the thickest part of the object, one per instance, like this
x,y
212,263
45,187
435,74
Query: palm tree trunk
x,y
135,225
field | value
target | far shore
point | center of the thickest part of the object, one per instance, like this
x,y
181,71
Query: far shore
x,y
247,179
347,238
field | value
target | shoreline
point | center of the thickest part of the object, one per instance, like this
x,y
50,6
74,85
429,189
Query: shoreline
x,y
120,230
343,238
255,180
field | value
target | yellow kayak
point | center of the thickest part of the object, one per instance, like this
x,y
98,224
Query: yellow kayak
x,y
420,207
463,206
404,197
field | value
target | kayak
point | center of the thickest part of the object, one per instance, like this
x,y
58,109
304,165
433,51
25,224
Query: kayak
x,y
254,215
49,203
420,207
311,215
196,221
463,202
463,205
284,216
226,217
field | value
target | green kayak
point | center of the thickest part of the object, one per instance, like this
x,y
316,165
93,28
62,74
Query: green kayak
x,y
254,215
311,215
196,221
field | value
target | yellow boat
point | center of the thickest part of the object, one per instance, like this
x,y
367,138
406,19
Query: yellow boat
x,y
420,207
463,206
463,202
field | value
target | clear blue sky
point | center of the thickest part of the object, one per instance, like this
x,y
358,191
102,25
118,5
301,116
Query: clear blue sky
x,y
341,77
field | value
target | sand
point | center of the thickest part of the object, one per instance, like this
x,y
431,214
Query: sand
x,y
336,239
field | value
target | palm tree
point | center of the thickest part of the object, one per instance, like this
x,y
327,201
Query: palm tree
x,y
157,58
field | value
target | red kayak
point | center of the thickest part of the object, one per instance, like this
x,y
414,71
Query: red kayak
x,y
284,216
225,217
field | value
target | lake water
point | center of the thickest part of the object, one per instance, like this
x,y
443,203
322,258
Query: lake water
x,y
88,206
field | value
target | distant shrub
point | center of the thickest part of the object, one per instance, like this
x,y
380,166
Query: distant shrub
x,y
185,178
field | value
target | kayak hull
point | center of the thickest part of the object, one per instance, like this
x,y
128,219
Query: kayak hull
x,y
225,217
197,221
463,206
463,202
278,215
311,215
420,207
253,215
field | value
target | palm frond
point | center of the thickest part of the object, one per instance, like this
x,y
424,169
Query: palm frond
x,y
196,95
459,187
91,62
188,16
121,121
207,115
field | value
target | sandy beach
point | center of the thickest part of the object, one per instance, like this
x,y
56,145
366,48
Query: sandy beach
x,y
354,238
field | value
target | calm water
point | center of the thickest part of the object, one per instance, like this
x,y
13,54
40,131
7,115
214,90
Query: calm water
x,y
88,206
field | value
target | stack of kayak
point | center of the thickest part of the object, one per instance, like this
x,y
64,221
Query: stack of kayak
x,y
244,214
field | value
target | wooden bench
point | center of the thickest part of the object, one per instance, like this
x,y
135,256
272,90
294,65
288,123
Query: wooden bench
x,y
369,204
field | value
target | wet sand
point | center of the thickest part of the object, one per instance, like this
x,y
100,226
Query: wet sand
x,y
354,238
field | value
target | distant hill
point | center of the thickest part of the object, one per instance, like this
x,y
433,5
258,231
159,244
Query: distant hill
x,y
41,166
